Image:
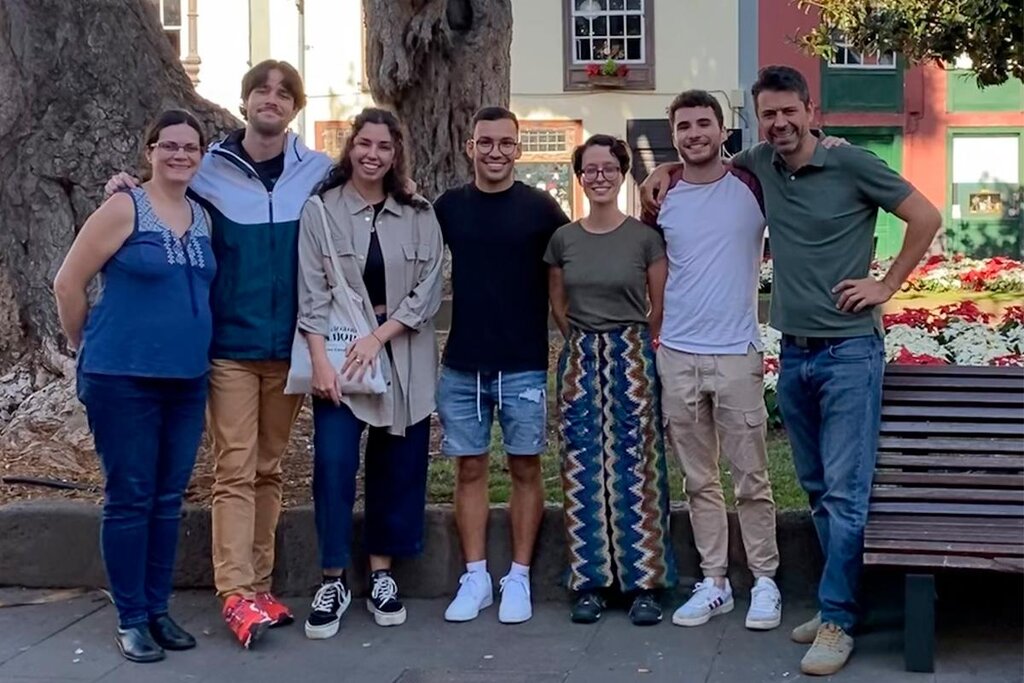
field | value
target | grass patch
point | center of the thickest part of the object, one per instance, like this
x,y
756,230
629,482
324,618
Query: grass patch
x,y
441,476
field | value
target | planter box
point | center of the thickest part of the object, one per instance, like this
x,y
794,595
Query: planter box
x,y
607,81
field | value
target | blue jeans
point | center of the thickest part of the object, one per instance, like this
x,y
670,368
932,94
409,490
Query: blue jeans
x,y
395,485
147,432
830,396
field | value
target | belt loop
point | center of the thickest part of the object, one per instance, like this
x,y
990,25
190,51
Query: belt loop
x,y
499,390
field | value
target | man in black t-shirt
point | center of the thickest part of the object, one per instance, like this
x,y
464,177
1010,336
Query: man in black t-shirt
x,y
497,355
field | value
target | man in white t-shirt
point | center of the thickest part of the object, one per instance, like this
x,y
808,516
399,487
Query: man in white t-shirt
x,y
710,359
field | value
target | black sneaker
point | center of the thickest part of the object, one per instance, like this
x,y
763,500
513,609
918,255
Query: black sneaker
x,y
329,603
646,610
587,608
384,602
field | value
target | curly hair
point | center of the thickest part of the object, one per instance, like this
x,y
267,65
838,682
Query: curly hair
x,y
396,180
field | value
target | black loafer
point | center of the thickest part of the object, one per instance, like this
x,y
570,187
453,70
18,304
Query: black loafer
x,y
587,609
137,645
646,610
169,635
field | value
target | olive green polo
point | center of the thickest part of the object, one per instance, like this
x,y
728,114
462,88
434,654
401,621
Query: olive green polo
x,y
821,219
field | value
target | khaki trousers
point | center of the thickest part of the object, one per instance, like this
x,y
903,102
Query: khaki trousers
x,y
250,420
713,404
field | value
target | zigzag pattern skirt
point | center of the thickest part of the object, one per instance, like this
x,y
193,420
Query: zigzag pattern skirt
x,y
614,474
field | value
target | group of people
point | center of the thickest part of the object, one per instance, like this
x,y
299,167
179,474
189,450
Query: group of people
x,y
213,262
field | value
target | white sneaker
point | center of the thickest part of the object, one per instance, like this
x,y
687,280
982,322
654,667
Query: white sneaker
x,y
765,611
475,593
707,601
515,605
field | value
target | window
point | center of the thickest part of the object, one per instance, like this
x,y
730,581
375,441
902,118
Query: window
x,y
547,161
847,57
331,136
598,30
169,12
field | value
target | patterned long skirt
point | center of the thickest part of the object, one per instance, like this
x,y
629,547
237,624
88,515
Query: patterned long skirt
x,y
614,474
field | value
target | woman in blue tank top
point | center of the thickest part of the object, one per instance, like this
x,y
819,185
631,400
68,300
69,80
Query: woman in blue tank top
x,y
143,356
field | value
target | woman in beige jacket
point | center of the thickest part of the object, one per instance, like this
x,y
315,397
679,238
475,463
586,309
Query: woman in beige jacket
x,y
389,247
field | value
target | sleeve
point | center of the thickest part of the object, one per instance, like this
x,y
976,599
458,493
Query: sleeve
x,y
654,246
878,183
553,254
421,304
314,290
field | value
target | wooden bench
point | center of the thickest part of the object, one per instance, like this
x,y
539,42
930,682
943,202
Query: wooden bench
x,y
948,489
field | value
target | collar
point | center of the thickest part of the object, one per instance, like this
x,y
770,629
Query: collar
x,y
356,204
817,159
294,148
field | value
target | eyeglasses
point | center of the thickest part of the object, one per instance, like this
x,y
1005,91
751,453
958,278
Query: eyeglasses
x,y
173,147
590,173
506,146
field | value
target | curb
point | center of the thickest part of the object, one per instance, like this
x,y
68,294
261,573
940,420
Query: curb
x,y
55,544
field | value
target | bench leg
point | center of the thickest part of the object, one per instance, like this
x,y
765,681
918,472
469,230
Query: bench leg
x,y
919,623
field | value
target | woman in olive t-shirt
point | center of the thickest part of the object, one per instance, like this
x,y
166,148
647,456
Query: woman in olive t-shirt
x,y
604,269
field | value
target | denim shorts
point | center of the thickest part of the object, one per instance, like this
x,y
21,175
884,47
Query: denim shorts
x,y
466,403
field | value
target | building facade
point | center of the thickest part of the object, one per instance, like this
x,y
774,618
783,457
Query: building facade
x,y
960,145
666,46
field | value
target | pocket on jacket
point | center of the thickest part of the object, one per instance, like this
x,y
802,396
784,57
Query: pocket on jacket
x,y
416,252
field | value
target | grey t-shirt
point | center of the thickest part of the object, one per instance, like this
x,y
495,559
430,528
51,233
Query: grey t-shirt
x,y
605,274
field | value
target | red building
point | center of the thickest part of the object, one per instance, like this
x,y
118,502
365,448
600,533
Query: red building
x,y
960,145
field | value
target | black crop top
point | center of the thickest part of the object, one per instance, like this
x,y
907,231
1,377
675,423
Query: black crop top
x,y
373,273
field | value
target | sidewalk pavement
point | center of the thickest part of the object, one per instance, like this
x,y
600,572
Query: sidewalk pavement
x,y
71,640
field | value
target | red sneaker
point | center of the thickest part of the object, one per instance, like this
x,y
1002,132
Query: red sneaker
x,y
278,612
245,619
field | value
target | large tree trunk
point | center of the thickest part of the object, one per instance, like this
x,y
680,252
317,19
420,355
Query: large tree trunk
x,y
436,62
81,80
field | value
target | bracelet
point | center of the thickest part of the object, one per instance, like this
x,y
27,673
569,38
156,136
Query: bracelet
x,y
374,333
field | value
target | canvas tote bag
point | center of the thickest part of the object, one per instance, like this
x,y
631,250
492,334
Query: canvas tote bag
x,y
346,322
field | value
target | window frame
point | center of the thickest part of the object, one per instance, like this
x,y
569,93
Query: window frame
x,y
340,128
169,29
641,73
840,43
573,129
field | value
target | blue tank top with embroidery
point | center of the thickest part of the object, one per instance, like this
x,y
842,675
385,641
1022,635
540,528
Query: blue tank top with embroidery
x,y
153,318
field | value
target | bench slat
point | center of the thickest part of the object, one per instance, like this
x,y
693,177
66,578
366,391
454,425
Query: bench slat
x,y
1005,480
993,510
952,462
952,445
954,370
951,548
984,413
994,429
931,493
954,382
999,564
972,398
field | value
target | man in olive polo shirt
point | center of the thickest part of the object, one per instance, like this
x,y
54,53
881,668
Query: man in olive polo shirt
x,y
821,206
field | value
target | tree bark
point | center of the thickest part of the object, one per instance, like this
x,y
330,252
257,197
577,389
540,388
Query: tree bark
x,y
435,62
81,81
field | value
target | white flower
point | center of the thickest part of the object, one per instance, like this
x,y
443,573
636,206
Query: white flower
x,y
974,343
771,381
1014,338
771,340
913,339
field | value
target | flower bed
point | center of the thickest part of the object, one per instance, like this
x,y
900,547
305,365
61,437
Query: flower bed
x,y
957,334
945,274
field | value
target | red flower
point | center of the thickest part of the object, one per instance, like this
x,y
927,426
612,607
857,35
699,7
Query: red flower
x,y
622,71
593,69
1013,359
1013,314
967,311
905,357
920,318
771,365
